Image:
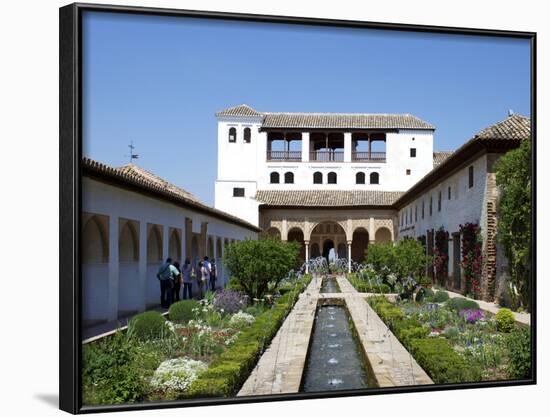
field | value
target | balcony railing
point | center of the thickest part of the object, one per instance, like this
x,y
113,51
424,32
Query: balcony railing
x,y
369,156
284,155
326,156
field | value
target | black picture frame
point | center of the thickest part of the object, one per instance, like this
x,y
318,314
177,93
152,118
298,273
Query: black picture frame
x,y
70,126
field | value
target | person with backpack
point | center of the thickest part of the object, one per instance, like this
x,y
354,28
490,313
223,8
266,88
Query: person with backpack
x,y
166,275
177,283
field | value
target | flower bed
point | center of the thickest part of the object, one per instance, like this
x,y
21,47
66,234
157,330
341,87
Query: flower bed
x,y
454,344
208,349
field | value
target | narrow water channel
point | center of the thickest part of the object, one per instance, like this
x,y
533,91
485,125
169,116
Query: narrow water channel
x,y
334,361
329,285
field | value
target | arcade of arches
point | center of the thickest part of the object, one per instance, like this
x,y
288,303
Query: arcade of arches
x,y
349,236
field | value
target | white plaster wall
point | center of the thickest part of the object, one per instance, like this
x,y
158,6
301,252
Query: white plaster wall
x,y
466,204
100,282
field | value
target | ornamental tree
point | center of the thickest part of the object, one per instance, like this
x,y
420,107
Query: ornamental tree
x,y
513,175
260,265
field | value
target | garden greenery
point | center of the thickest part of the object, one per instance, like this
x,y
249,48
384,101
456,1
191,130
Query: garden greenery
x,y
259,265
513,176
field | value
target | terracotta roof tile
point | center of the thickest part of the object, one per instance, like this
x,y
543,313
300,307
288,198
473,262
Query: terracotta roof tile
x,y
440,156
513,127
327,198
343,121
240,110
329,120
133,175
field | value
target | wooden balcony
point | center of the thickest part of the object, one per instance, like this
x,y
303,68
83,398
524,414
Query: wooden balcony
x,y
326,156
368,156
284,156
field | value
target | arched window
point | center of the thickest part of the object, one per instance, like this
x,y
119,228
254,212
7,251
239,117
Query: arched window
x,y
289,178
360,178
232,135
247,135
317,177
332,178
374,178
274,178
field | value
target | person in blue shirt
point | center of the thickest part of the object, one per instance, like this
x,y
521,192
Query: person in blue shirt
x,y
166,275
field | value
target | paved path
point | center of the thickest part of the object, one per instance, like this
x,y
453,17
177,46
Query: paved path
x,y
493,308
280,368
391,363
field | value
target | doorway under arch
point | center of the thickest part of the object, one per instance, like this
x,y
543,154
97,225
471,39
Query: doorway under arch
x,y
296,235
359,244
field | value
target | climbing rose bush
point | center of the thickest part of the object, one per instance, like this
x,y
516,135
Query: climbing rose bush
x,y
177,374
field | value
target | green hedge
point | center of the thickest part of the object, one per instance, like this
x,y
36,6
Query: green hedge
x,y
230,370
363,286
149,325
182,311
435,355
460,303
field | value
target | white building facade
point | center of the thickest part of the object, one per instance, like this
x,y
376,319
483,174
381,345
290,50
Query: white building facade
x,y
131,222
344,181
311,151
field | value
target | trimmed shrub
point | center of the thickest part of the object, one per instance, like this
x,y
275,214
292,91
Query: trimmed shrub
x,y
505,320
182,311
371,288
440,296
228,372
147,326
428,294
441,362
459,303
519,357
408,329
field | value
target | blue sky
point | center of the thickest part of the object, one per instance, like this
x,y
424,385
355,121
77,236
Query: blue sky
x,y
159,80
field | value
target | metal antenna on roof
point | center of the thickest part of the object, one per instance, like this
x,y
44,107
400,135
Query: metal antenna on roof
x,y
132,154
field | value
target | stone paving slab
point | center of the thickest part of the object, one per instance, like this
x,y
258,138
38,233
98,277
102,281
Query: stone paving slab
x,y
392,365
280,368
523,318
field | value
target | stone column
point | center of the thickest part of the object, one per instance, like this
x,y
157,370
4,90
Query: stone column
x,y
347,147
349,255
306,243
112,306
284,231
142,265
165,239
305,146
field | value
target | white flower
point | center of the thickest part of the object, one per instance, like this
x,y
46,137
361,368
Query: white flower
x,y
241,319
177,374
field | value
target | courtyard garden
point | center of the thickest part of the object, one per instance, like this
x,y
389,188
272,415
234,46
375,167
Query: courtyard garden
x,y
202,347
455,341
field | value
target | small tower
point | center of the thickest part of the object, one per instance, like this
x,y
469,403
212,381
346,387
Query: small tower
x,y
239,144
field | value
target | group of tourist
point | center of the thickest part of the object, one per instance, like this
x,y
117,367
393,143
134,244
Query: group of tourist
x,y
173,278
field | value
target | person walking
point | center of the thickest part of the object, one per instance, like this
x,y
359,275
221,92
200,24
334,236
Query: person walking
x,y
177,283
213,275
166,275
208,266
186,273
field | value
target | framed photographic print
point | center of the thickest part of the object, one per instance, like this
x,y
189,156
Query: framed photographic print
x,y
259,208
